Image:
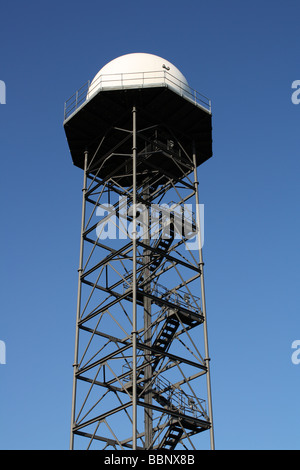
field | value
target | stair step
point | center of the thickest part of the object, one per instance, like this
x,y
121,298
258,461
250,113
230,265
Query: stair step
x,y
168,333
171,437
163,244
165,336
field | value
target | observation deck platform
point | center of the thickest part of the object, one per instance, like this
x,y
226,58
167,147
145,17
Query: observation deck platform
x,y
96,117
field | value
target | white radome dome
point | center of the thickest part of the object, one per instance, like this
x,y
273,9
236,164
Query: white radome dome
x,y
138,70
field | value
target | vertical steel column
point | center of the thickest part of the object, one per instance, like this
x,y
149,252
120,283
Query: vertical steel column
x,y
201,264
147,326
75,365
134,322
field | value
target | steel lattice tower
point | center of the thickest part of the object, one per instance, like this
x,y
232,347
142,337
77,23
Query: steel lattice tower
x,y
141,369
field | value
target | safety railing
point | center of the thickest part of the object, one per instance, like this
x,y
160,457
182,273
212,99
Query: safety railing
x,y
169,395
178,298
188,405
134,80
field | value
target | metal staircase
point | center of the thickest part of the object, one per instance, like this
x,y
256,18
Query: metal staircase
x,y
165,336
190,411
172,437
162,245
185,414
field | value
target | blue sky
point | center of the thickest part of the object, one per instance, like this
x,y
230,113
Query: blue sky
x,y
244,56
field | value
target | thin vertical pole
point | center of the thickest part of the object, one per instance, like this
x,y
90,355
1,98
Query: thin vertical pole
x,y
148,418
207,358
75,365
134,326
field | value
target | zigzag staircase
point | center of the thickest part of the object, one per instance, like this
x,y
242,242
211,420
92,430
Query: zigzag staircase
x,y
176,314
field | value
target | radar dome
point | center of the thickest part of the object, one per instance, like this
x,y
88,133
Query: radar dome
x,y
138,70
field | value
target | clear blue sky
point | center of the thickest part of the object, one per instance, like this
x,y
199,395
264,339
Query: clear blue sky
x,y
244,56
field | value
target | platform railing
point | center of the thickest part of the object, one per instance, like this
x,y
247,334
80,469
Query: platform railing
x,y
188,405
170,395
134,80
178,297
